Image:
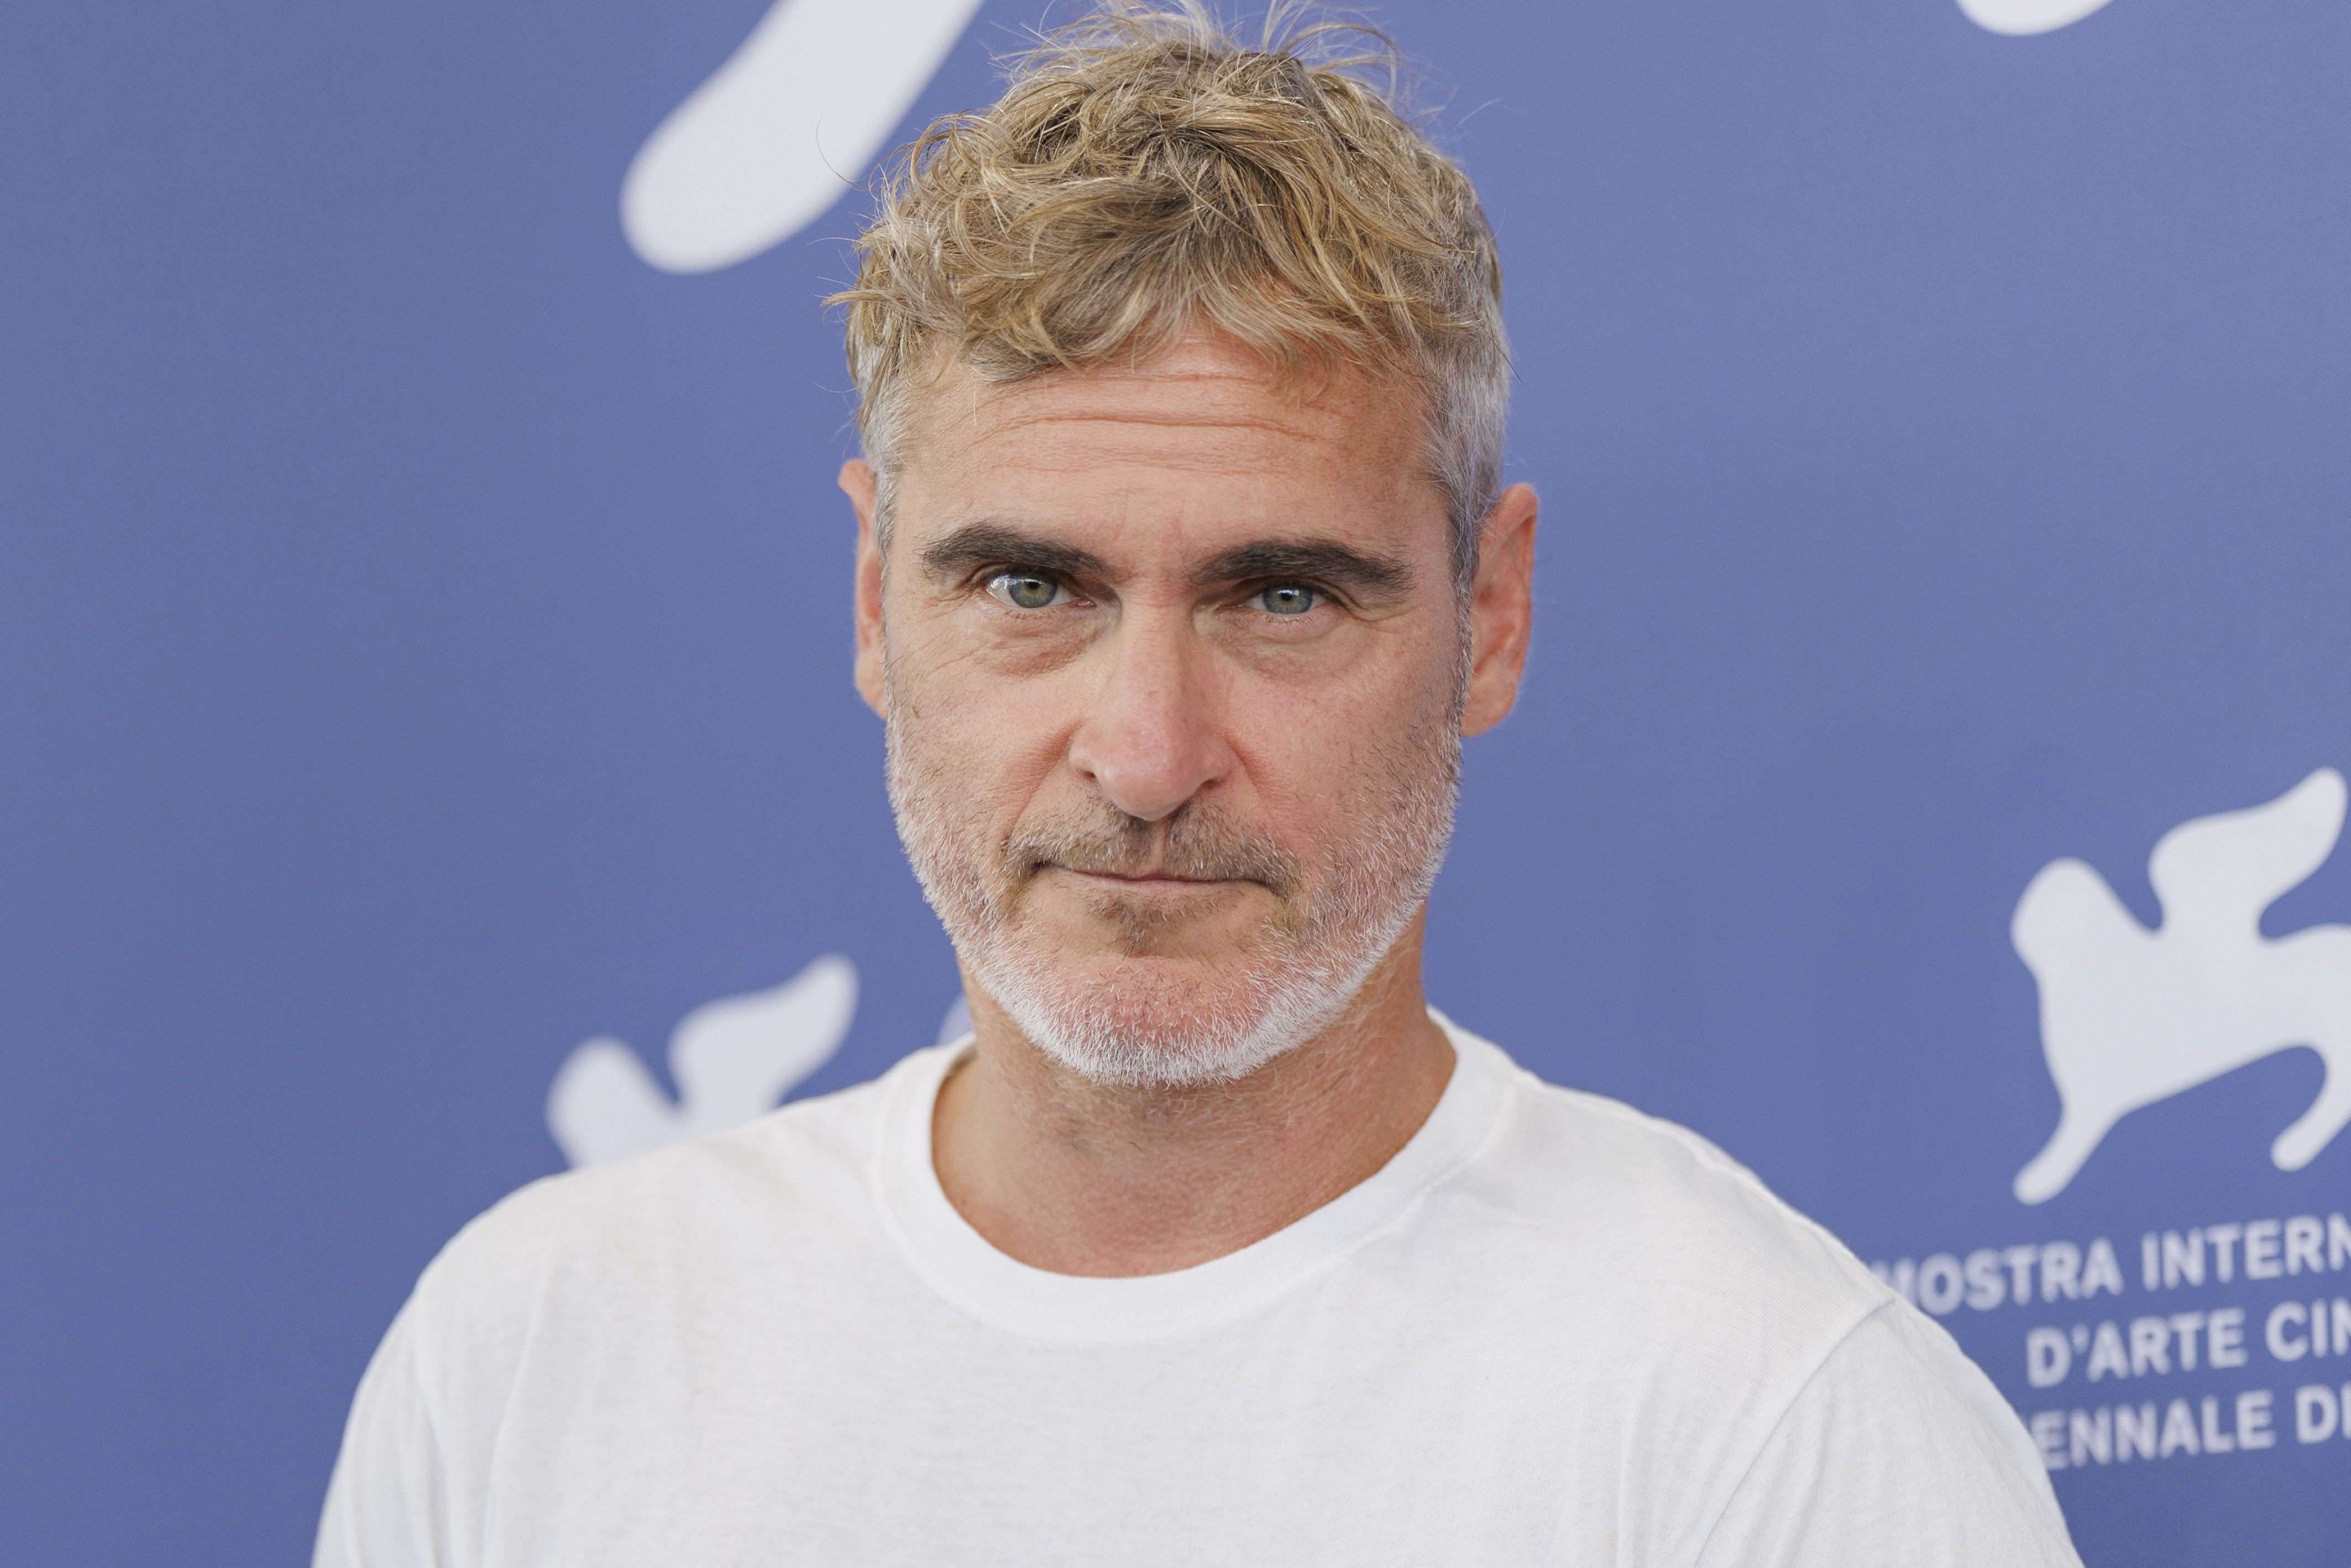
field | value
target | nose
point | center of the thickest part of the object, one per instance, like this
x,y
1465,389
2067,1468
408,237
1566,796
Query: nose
x,y
1150,739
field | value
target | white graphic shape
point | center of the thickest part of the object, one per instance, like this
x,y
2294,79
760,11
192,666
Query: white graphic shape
x,y
733,1058
2022,18
778,131
2130,1016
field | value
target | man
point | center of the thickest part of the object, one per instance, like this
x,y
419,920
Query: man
x,y
1183,566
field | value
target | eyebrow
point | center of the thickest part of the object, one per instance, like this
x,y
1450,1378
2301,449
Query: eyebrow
x,y
991,544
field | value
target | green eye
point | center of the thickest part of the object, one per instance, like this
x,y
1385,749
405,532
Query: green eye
x,y
1025,590
1287,599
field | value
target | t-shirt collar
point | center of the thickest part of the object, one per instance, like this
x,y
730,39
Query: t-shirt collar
x,y
960,1264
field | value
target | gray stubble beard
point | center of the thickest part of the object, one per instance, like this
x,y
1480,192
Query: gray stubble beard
x,y
1301,967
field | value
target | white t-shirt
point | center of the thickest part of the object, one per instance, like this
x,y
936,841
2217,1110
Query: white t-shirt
x,y
1551,1331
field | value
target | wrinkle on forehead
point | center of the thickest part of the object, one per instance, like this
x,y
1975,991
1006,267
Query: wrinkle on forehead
x,y
1247,418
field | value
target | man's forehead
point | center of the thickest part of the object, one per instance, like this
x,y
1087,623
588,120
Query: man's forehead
x,y
1201,429
1200,402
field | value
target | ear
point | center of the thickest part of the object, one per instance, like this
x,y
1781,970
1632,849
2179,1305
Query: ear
x,y
857,482
1502,609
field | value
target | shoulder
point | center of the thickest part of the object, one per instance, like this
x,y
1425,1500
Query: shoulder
x,y
1898,1449
1596,1168
619,1271
1710,1339
797,1179
1648,1223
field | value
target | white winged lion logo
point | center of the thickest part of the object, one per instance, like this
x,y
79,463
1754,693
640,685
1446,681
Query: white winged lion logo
x,y
733,1059
2130,1016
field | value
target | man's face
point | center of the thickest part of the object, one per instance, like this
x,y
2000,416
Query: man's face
x,y
1173,669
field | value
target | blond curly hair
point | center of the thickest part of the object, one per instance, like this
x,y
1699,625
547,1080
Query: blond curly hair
x,y
1146,174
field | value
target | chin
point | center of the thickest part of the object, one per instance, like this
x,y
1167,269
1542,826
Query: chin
x,y
1144,1022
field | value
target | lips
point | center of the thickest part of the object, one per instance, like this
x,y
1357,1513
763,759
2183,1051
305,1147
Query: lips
x,y
1199,848
1144,880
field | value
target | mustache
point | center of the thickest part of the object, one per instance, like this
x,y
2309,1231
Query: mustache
x,y
1196,844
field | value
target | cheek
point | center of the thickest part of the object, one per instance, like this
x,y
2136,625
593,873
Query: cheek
x,y
985,742
1342,716
1299,752
1329,764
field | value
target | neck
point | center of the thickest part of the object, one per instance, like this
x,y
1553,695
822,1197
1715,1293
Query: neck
x,y
1080,1177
